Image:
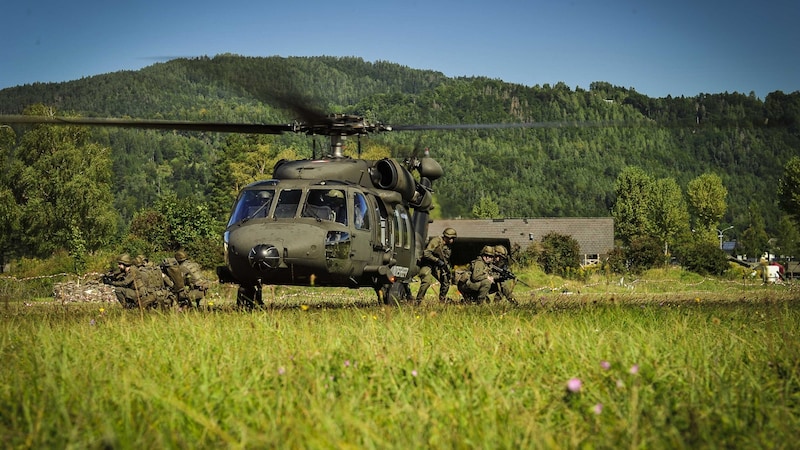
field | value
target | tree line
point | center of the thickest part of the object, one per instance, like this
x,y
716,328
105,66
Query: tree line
x,y
558,171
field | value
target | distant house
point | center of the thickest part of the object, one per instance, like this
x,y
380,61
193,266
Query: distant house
x,y
595,235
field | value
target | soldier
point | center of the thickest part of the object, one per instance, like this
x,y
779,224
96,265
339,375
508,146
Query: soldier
x,y
436,265
153,291
194,285
474,284
504,286
126,282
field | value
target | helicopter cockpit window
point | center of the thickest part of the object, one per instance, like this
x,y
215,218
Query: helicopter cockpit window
x,y
326,204
252,204
360,215
317,206
288,201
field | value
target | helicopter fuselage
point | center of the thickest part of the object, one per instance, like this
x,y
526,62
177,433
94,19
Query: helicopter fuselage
x,y
324,223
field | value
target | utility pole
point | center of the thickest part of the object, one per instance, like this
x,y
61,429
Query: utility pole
x,y
721,234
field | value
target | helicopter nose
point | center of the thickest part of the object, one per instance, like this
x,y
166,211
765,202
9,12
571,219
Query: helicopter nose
x,y
264,257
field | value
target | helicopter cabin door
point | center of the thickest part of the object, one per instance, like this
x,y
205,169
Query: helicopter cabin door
x,y
404,254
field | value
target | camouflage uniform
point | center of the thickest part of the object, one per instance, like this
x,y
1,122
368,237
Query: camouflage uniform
x,y
503,287
436,265
194,285
474,284
127,282
154,291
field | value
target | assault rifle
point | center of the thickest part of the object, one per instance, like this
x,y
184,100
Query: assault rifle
x,y
446,272
505,274
110,277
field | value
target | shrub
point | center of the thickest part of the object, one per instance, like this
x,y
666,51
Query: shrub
x,y
643,253
560,254
616,262
527,257
703,257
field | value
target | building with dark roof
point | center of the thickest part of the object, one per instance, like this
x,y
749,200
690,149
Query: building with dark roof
x,y
595,235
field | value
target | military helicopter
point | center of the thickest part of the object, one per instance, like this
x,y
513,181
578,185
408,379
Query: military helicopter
x,y
334,221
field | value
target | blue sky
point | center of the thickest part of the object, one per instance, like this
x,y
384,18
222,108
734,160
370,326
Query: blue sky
x,y
659,48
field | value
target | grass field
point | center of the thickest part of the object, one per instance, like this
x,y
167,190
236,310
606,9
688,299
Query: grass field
x,y
665,361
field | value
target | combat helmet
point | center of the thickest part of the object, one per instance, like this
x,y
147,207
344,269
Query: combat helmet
x,y
180,256
488,250
450,233
335,193
500,250
125,259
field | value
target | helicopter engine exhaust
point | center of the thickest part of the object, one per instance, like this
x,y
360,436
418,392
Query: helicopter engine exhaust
x,y
264,257
389,174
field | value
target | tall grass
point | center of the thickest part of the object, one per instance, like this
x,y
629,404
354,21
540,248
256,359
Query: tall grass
x,y
695,373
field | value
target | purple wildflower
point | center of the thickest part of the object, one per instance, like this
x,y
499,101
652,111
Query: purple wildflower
x,y
605,365
574,385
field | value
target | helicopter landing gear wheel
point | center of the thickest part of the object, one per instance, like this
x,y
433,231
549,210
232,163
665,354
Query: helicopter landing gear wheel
x,y
394,293
248,297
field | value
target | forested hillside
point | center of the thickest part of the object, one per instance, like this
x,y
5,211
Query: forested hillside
x,y
532,172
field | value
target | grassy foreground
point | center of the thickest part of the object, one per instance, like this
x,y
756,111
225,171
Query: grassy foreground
x,y
605,370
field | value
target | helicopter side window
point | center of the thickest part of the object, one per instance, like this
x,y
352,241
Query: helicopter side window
x,y
316,205
402,227
335,198
385,225
326,204
360,217
288,201
399,230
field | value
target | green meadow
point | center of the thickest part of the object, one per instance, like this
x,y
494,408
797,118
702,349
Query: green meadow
x,y
661,362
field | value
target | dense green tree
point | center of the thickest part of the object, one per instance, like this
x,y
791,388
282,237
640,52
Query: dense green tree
x,y
9,209
486,208
788,241
174,224
64,190
707,204
669,215
789,189
632,209
754,239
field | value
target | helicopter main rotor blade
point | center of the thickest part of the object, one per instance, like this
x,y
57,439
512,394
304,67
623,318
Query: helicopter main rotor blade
x,y
303,109
488,126
181,125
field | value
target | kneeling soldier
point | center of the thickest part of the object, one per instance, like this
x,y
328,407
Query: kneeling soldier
x,y
504,285
127,283
474,284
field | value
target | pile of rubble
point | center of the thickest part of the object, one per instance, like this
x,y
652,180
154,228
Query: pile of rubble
x,y
85,291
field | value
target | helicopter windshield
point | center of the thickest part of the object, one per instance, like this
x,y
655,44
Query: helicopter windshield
x,y
288,201
326,204
252,204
